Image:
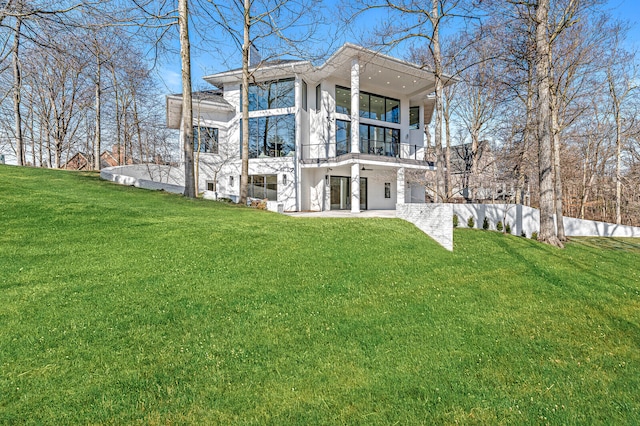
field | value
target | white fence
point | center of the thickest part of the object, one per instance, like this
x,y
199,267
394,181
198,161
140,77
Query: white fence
x,y
147,176
436,220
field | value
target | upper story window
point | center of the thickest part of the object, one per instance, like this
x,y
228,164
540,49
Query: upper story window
x,y
414,117
318,97
304,95
271,136
272,94
379,107
205,139
343,100
372,106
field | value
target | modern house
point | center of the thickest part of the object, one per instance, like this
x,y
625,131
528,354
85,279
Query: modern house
x,y
348,134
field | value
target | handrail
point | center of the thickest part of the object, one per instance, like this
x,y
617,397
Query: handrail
x,y
367,146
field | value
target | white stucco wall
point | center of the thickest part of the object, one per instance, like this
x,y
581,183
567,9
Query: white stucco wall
x,y
433,219
527,219
147,176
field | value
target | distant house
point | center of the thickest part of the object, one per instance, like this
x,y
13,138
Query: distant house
x,y
79,161
343,135
112,158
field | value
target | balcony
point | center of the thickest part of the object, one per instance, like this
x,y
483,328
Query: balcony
x,y
373,150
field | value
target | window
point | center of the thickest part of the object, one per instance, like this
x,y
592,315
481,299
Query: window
x,y
263,186
304,95
387,190
372,106
343,137
318,97
272,94
284,179
379,140
272,136
343,100
205,139
376,107
231,181
414,117
392,111
210,186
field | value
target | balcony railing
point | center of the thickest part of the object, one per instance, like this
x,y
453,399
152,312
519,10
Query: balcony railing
x,y
367,147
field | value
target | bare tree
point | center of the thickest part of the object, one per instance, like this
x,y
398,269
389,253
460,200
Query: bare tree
x,y
622,76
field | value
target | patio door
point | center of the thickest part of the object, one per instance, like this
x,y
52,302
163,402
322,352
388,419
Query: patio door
x,y
341,193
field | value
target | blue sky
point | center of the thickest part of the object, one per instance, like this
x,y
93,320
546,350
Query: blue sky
x,y
227,57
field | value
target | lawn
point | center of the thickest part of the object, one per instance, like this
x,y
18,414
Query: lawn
x,y
125,306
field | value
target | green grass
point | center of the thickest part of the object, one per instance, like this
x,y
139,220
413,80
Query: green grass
x,y
125,306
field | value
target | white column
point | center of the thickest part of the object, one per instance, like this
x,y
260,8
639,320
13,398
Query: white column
x,y
400,186
355,188
355,105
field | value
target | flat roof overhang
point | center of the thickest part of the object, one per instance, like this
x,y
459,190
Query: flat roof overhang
x,y
174,109
377,70
367,159
260,73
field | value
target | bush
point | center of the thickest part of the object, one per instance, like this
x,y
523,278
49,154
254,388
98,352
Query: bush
x,y
470,222
499,226
523,234
507,228
534,235
485,223
455,220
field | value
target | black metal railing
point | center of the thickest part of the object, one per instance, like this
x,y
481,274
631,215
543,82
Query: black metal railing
x,y
368,147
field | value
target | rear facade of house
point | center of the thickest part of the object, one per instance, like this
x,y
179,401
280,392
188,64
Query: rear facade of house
x,y
347,135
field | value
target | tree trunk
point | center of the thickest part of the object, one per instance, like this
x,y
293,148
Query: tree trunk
x,y
17,87
437,60
97,142
187,105
555,128
244,176
447,151
618,169
545,165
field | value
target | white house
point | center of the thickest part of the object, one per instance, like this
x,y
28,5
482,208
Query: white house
x,y
343,135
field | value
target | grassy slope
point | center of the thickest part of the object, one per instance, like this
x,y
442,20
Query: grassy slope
x,y
120,305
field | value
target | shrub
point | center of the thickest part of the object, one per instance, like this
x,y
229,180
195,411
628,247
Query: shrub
x,y
523,234
534,235
485,223
470,222
499,226
455,220
507,228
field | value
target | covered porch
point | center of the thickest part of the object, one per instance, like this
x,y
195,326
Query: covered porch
x,y
360,184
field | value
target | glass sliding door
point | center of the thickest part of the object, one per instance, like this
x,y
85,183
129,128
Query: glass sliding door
x,y
340,193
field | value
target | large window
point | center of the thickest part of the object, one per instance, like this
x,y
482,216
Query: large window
x,y
373,139
205,139
414,117
263,186
272,136
379,140
343,137
343,100
272,94
372,106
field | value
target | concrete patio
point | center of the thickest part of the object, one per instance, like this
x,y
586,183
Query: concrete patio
x,y
346,213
